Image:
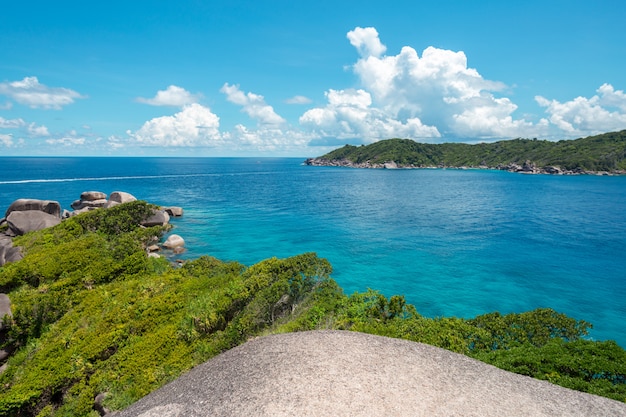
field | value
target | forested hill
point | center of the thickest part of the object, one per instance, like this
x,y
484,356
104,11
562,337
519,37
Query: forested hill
x,y
601,153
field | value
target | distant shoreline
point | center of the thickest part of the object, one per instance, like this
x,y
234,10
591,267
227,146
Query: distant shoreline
x,y
526,168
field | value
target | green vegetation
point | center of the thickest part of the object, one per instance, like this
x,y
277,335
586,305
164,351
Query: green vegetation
x,y
92,313
606,152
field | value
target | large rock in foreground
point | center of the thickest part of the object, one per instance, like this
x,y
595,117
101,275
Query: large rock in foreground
x,y
22,222
354,374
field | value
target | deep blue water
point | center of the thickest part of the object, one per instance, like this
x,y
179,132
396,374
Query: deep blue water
x,y
455,243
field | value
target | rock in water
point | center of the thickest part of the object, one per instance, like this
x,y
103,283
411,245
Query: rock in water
x,y
22,222
174,241
174,211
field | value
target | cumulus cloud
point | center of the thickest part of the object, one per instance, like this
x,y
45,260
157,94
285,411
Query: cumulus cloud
x,y
298,100
30,92
11,123
253,105
605,111
172,96
194,125
6,140
349,115
366,41
437,89
37,131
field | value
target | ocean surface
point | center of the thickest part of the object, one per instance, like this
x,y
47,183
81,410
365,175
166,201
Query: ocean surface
x,y
454,242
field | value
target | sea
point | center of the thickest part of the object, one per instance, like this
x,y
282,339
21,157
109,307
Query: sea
x,y
453,242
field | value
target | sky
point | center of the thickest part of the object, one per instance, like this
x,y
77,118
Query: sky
x,y
295,78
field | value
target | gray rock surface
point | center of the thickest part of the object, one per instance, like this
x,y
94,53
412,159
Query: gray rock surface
x,y
174,241
329,373
159,218
22,222
26,204
87,204
174,211
9,253
5,309
121,197
93,196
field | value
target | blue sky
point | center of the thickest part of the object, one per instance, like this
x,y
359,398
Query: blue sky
x,y
287,78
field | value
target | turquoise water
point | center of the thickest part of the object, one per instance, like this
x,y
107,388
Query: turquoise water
x,y
456,243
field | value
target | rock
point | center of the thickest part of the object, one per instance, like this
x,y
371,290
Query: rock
x,y
174,241
174,211
82,204
5,310
121,197
153,255
331,373
179,250
553,170
93,196
98,404
159,218
153,248
8,253
27,204
390,165
22,222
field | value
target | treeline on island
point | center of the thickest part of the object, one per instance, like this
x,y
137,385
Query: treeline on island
x,y
96,323
602,153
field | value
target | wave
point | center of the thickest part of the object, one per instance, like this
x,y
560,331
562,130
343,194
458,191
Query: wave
x,y
135,177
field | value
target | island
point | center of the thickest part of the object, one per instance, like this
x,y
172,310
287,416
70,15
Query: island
x,y
601,155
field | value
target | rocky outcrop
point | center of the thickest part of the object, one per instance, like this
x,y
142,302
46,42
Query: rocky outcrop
x,y
174,211
22,222
119,197
28,204
528,167
90,200
333,373
158,218
27,215
8,252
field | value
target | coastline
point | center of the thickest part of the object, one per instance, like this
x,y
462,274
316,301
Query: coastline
x,y
527,168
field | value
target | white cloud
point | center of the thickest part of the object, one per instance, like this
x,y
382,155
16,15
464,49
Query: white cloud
x,y
172,96
6,140
37,131
252,104
366,41
67,141
11,123
437,89
31,93
194,125
349,115
6,106
298,100
603,112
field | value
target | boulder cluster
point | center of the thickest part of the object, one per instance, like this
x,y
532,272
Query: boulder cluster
x,y
28,215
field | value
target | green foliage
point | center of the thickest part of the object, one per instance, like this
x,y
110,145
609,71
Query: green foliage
x,y
595,367
606,152
92,314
